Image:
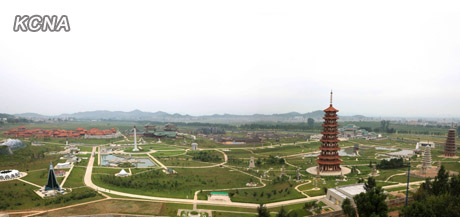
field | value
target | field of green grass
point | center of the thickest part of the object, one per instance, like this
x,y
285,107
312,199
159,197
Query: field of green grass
x,y
188,181
30,158
270,193
16,195
39,177
167,153
75,178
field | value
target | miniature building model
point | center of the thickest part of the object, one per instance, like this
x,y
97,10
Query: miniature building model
x,y
426,159
283,171
194,146
329,159
251,162
374,170
122,173
9,174
339,194
58,133
219,196
135,140
52,183
449,147
424,144
298,175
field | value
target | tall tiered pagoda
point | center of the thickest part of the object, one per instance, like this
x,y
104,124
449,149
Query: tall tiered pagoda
x,y
449,147
329,159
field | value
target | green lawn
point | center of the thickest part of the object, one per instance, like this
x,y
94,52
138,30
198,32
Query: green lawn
x,y
75,178
167,153
185,182
39,177
16,195
269,193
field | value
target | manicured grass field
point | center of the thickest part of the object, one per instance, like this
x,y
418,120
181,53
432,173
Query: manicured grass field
x,y
183,162
112,206
85,148
269,193
239,209
189,181
39,177
16,195
30,158
167,153
75,178
403,179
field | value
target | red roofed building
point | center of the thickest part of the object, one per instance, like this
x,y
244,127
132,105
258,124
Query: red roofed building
x,y
57,133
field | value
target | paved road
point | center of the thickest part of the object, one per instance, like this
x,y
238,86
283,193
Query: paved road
x,y
157,161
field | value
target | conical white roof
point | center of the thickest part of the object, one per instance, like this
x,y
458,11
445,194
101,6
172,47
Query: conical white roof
x,y
123,172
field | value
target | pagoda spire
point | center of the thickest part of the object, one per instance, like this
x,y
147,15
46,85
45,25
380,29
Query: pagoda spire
x,y
331,97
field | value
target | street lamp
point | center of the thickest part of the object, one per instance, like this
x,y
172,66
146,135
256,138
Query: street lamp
x,y
407,188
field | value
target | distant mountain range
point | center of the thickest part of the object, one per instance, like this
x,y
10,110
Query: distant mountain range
x,y
167,117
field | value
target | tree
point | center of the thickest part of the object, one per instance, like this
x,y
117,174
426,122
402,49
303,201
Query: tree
x,y
262,211
370,184
438,198
310,122
372,202
348,208
309,205
440,183
282,213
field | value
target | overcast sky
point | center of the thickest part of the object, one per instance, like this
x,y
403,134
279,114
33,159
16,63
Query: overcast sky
x,y
386,58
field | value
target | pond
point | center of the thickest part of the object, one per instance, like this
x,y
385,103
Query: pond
x,y
385,148
111,160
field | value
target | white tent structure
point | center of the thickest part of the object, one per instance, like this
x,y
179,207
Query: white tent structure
x,y
122,173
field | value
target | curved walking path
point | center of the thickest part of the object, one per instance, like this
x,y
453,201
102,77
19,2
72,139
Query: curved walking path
x,y
397,174
297,188
30,183
210,166
157,161
88,182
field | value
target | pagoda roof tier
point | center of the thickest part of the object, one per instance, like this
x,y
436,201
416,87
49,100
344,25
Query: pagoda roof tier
x,y
330,133
329,141
336,162
328,157
330,125
329,149
331,109
330,118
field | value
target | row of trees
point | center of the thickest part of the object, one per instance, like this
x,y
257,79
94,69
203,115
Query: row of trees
x,y
273,160
440,197
309,125
311,207
205,156
391,164
145,181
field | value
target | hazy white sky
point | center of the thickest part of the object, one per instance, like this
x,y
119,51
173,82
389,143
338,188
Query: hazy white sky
x,y
387,58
